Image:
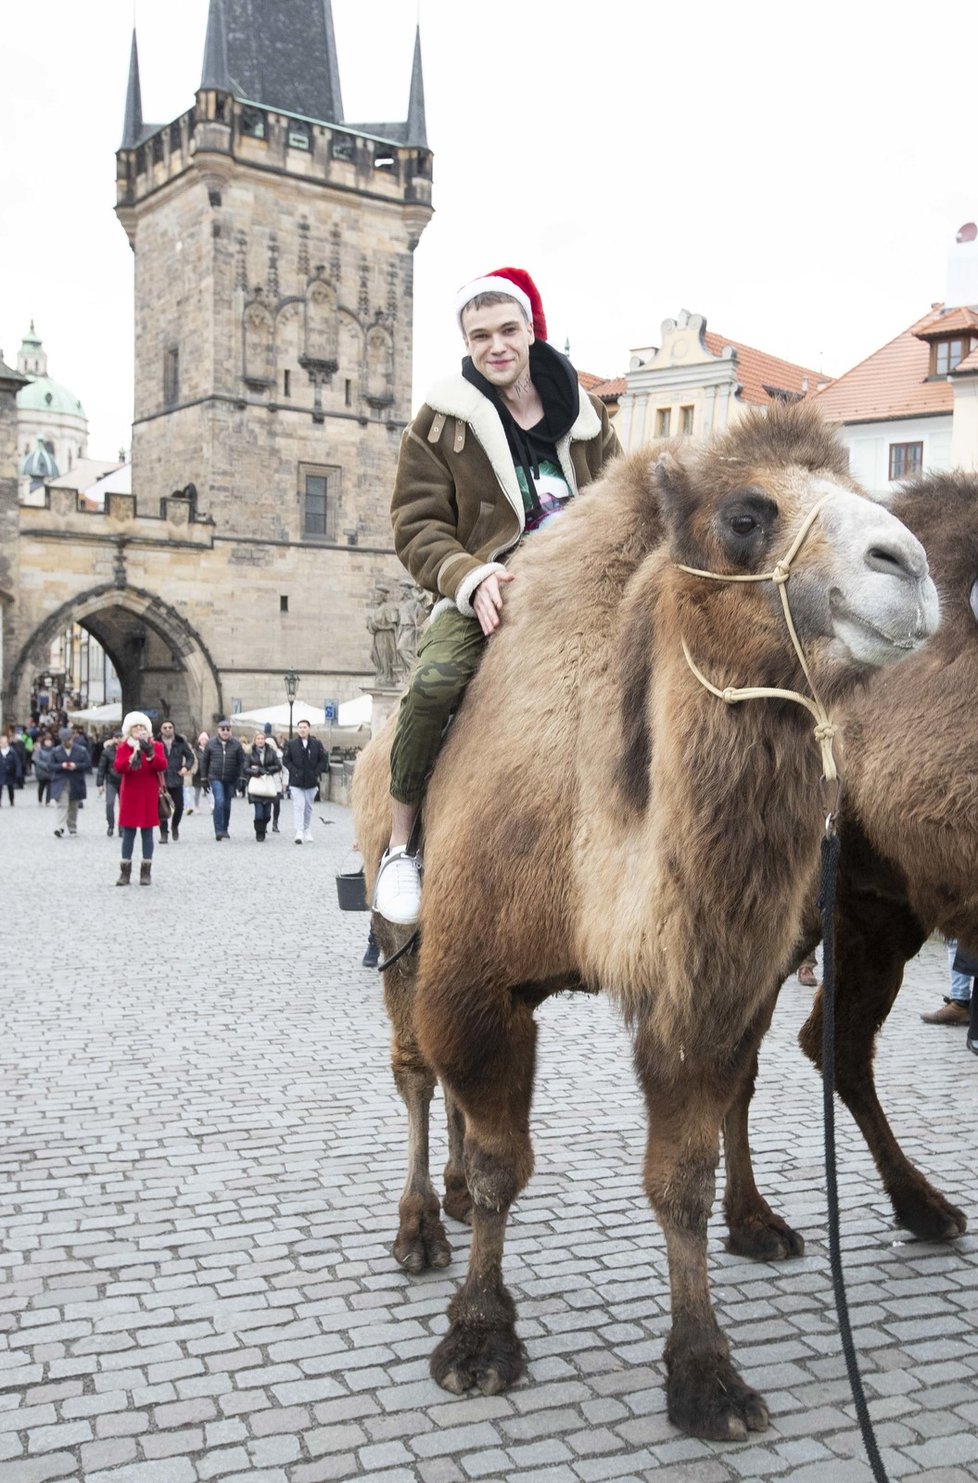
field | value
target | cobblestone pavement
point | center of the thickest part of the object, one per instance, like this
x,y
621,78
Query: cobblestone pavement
x,y
202,1153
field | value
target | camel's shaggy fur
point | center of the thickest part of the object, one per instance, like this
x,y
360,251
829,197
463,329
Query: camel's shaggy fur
x,y
909,864
597,817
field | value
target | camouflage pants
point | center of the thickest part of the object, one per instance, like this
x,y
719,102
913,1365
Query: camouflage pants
x,y
448,657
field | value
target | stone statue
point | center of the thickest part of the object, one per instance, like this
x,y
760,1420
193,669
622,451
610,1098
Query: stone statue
x,y
411,615
382,616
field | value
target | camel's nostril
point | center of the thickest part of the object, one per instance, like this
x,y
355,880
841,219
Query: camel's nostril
x,y
890,562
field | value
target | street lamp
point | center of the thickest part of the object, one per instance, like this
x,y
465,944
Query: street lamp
x,y
291,687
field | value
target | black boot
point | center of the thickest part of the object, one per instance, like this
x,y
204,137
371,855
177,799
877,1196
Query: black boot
x,y
125,872
372,954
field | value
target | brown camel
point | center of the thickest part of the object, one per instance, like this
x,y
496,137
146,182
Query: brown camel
x,y
909,863
599,818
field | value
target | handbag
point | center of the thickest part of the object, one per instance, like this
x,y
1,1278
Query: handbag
x,y
165,803
263,786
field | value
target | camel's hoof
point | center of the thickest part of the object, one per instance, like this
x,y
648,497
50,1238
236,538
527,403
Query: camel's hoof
x,y
489,1360
421,1242
928,1216
457,1202
707,1398
764,1238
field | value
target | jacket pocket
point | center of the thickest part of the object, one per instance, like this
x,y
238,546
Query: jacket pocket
x,y
482,528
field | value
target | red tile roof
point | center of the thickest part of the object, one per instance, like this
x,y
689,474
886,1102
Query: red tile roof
x,y
759,374
948,322
607,390
970,362
892,382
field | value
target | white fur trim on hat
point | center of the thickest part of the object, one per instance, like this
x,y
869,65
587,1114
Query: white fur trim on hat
x,y
135,718
492,286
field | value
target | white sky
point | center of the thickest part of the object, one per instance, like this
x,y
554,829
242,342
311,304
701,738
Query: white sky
x,y
795,172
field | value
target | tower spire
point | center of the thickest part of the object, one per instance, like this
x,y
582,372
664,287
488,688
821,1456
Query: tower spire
x,y
332,64
214,73
415,133
132,127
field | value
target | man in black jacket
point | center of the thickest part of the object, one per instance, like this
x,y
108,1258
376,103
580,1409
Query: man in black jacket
x,y
180,763
222,763
107,779
305,757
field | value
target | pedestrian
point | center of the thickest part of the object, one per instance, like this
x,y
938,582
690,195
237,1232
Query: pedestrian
x,y
180,764
494,455
11,771
263,769
107,779
43,753
140,765
199,746
221,766
305,758
278,744
957,1001
15,737
69,764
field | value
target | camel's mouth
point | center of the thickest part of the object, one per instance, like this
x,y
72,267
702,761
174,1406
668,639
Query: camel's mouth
x,y
870,642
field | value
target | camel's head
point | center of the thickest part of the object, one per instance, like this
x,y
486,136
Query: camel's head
x,y
859,589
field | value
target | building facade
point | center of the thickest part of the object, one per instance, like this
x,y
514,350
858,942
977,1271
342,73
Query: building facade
x,y
273,247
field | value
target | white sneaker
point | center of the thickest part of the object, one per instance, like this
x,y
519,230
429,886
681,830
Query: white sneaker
x,y
397,894
307,837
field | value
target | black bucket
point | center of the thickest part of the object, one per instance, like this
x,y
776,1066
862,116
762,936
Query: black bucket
x,y
351,892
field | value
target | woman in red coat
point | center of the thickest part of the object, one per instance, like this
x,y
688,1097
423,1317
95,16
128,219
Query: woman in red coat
x,y
139,760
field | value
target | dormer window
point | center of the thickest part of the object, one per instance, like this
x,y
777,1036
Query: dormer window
x,y
947,355
252,123
299,135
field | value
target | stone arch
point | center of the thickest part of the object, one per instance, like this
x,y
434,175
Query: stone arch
x,y
161,660
289,346
351,353
380,366
259,338
321,321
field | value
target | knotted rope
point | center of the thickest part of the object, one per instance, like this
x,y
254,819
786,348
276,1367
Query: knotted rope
x,y
825,728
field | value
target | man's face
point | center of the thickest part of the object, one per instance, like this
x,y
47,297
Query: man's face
x,y
498,339
166,731
303,729
224,732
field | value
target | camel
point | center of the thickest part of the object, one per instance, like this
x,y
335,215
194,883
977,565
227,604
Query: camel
x,y
599,818
909,864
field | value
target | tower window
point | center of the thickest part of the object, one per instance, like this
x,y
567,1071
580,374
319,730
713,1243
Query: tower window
x,y
349,394
253,123
283,603
171,374
299,135
663,422
286,383
341,147
319,498
906,460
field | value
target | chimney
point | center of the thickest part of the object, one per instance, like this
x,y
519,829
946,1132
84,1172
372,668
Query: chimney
x,y
962,268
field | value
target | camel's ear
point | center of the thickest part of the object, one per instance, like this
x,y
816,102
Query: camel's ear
x,y
672,481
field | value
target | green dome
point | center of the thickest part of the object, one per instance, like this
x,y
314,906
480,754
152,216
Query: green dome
x,y
44,395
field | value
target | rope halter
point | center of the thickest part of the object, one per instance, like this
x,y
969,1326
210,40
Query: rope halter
x,y
825,729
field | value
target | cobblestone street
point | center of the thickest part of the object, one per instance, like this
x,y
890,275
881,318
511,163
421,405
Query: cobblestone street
x,y
202,1152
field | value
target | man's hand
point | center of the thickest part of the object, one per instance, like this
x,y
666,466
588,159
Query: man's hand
x,y
487,604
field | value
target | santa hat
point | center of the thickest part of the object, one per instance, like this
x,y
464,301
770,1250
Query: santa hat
x,y
515,283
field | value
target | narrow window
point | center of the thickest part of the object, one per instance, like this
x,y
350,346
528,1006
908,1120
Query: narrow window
x,y
663,420
253,123
314,505
299,135
948,355
171,374
341,147
686,415
906,460
286,383
349,393
283,603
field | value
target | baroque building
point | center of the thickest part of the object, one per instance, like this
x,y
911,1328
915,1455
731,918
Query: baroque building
x,y
273,244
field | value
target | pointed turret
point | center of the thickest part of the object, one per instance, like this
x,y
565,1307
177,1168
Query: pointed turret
x,y
132,128
214,73
332,64
414,132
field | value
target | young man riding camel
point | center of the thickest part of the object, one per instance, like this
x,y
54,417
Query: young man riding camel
x,y
495,453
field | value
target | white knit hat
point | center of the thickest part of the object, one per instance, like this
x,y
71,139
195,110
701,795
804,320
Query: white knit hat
x,y
135,718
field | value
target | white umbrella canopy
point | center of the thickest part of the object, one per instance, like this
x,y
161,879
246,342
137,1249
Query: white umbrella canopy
x,y
278,716
99,715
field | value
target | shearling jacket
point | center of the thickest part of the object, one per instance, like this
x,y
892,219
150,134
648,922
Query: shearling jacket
x,y
457,507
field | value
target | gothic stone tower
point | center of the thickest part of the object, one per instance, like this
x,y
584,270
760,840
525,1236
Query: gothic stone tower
x,y
273,248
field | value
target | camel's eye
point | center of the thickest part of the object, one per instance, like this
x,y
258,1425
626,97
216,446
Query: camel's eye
x,y
974,597
742,525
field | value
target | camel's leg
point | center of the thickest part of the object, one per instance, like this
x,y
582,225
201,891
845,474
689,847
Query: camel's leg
x,y
457,1201
871,951
486,1062
421,1241
754,1229
687,1100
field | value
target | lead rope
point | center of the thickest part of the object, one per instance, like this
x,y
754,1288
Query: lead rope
x,y
825,732
826,901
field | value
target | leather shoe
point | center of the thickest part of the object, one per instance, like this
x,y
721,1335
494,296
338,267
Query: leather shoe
x,y
972,1045
950,1013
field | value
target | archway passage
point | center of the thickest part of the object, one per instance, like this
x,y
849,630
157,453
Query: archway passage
x,y
162,662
